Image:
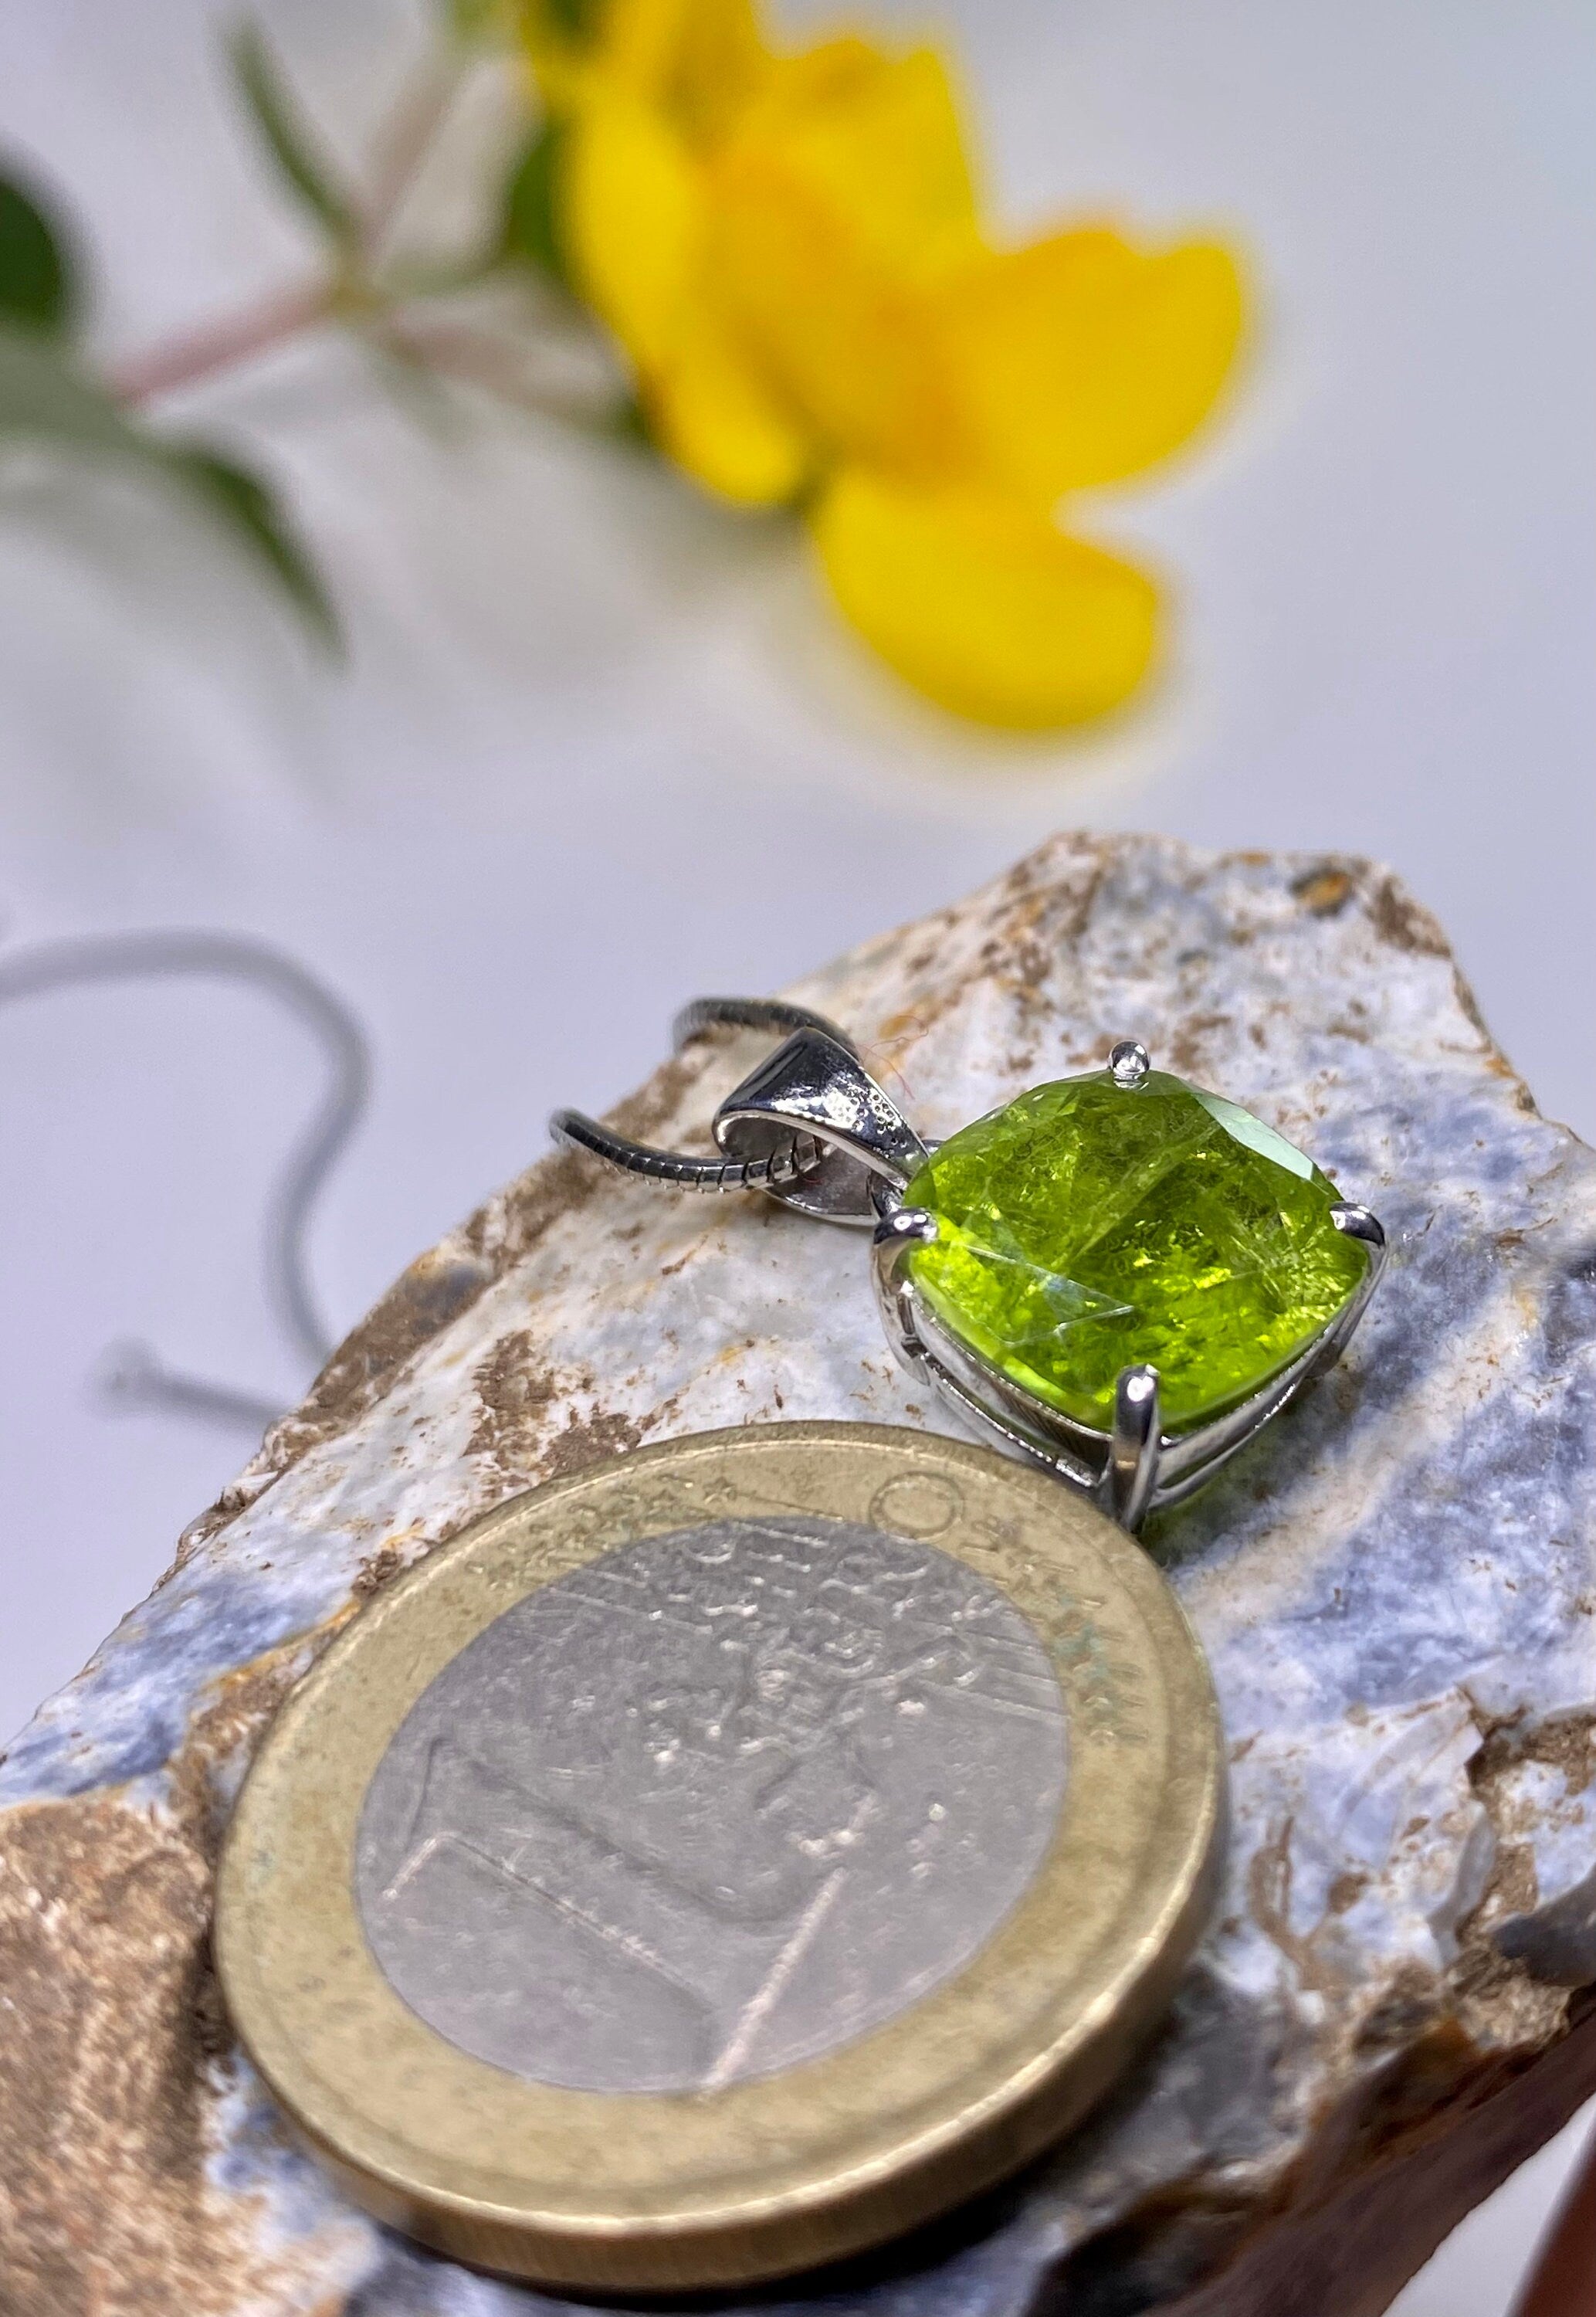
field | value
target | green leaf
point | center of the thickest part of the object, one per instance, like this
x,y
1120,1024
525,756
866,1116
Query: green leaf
x,y
46,400
44,397
277,117
415,386
478,22
37,284
575,18
628,425
243,502
532,231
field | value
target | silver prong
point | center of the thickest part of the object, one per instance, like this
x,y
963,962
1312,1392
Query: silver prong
x,y
900,1230
905,1223
1357,1223
1131,1472
1129,1062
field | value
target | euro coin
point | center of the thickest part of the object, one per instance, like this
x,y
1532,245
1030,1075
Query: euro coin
x,y
719,1862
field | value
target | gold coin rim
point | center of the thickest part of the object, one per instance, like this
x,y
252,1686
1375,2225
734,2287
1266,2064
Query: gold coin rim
x,y
637,2192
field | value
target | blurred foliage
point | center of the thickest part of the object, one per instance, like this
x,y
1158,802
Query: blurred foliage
x,y
244,503
774,266
38,283
49,399
284,133
532,228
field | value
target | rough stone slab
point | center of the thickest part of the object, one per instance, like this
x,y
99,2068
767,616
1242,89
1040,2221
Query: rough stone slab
x,y
1395,1585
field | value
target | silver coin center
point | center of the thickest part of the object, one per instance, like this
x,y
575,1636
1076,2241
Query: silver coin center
x,y
716,1804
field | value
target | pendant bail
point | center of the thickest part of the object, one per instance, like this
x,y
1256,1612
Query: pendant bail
x,y
815,1083
810,1124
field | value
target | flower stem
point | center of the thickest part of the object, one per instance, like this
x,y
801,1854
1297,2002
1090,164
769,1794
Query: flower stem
x,y
231,339
404,143
475,358
402,146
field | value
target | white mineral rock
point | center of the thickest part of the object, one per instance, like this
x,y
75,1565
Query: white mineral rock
x,y
1394,1585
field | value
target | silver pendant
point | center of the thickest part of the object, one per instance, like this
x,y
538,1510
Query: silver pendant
x,y
811,1127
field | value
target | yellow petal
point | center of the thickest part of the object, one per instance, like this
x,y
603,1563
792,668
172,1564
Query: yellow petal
x,y
850,349
982,603
557,58
709,412
877,138
632,213
845,190
701,62
830,72
1083,361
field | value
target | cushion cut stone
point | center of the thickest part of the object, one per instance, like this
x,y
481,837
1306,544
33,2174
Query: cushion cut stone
x,y
1092,1226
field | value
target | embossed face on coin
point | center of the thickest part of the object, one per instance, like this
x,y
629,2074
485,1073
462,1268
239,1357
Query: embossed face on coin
x,y
718,1802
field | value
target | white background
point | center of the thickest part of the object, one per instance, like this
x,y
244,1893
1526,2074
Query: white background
x,y
600,746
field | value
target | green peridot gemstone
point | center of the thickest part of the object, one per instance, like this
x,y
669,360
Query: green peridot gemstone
x,y
1091,1226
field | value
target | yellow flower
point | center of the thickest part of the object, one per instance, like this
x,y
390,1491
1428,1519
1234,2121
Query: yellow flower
x,y
788,249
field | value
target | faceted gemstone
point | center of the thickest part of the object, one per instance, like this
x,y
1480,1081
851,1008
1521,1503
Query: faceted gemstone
x,y
1092,1226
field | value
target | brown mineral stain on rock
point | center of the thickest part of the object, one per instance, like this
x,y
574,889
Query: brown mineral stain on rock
x,y
1408,2001
380,1570
1570,1743
588,1440
643,1114
103,2205
1567,1742
513,1395
1189,1052
1350,2239
1443,2073
435,1289
1269,1877
1325,890
1047,919
205,1770
113,2027
1405,923
1498,2002
1038,911
512,1223
1346,1890
1256,2263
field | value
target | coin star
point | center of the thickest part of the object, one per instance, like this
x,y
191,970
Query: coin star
x,y
1092,1226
